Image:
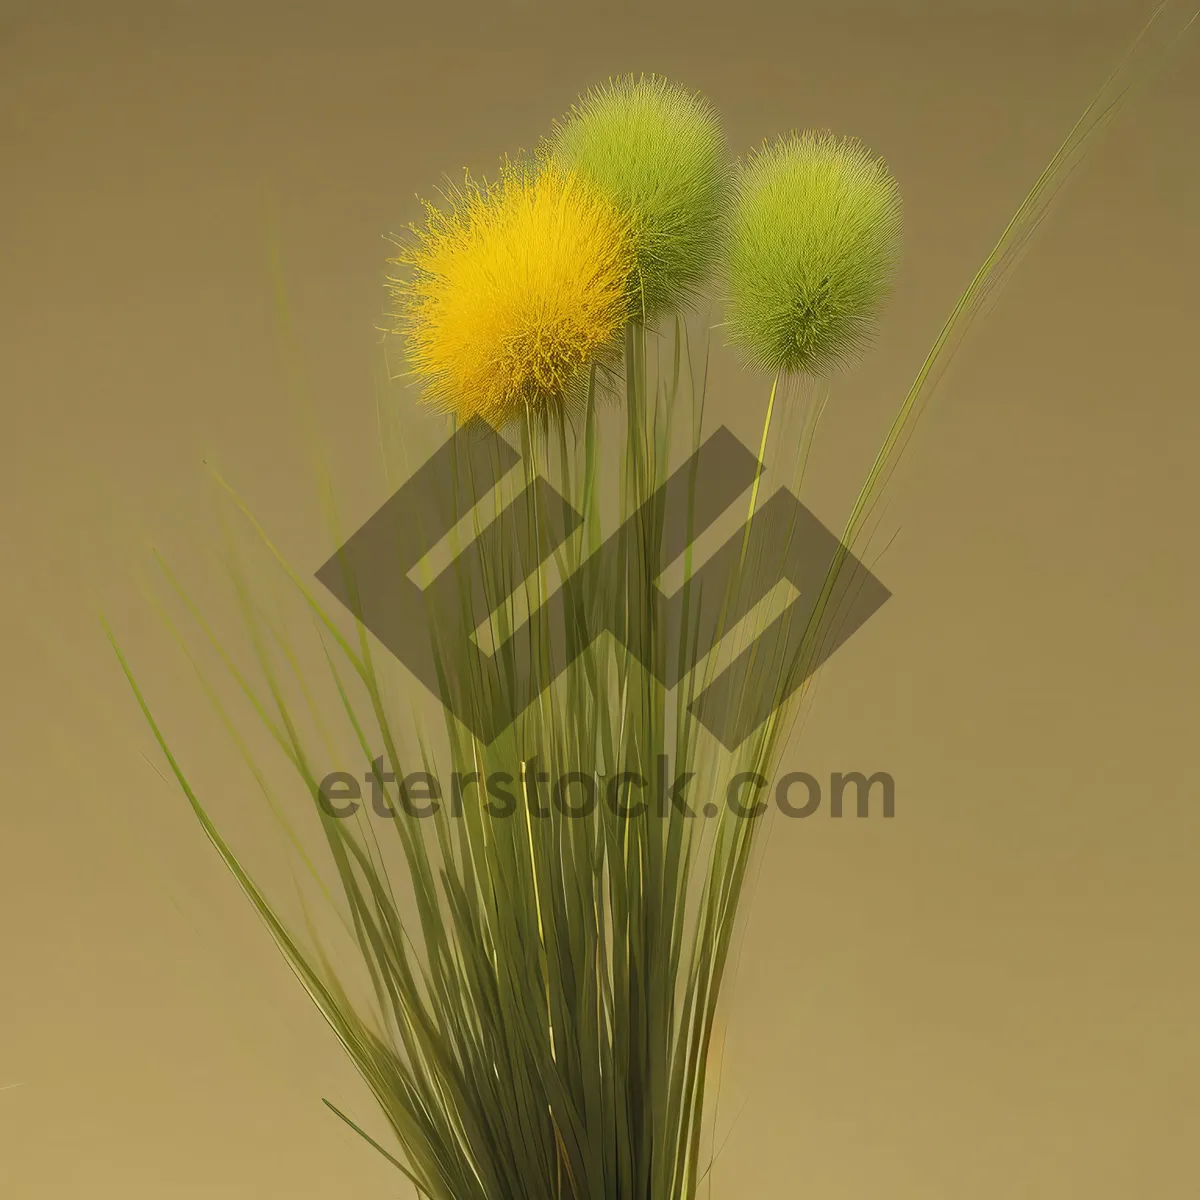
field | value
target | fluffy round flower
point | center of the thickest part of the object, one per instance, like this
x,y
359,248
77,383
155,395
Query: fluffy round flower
x,y
814,243
658,152
513,290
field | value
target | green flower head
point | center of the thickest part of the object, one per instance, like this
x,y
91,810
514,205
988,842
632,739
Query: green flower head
x,y
658,153
814,243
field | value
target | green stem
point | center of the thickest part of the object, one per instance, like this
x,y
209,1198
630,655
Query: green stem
x,y
762,454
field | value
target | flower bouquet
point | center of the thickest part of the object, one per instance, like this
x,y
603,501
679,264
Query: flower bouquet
x,y
540,1008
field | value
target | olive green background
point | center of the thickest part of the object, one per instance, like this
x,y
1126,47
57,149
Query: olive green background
x,y
993,995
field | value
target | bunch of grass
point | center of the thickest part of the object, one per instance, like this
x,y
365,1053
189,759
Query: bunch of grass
x,y
541,1014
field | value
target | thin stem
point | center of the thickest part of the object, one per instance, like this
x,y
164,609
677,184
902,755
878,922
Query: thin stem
x,y
762,454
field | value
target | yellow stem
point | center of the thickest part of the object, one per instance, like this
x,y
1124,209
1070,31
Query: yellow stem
x,y
762,454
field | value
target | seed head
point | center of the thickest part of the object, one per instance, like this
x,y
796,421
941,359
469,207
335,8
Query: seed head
x,y
657,151
513,289
813,246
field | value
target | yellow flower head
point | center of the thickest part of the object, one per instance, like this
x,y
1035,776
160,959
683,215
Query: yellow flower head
x,y
513,292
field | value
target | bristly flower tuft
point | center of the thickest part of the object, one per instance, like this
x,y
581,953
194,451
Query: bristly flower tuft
x,y
658,152
814,243
513,290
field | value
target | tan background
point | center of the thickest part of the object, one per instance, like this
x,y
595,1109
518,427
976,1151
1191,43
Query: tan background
x,y
993,995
